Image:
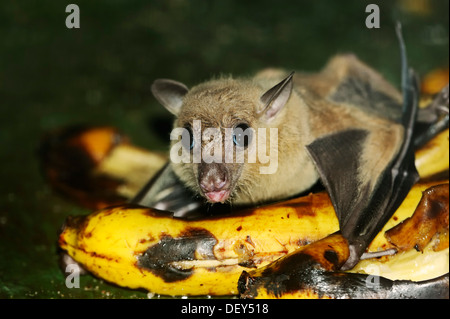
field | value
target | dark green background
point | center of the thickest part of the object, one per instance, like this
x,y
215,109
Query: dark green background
x,y
51,76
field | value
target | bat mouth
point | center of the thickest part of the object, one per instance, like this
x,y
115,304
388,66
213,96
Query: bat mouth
x,y
218,196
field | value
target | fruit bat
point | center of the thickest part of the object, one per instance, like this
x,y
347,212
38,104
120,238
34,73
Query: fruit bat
x,y
345,126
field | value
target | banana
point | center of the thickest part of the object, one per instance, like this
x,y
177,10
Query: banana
x,y
139,247
313,271
434,81
433,157
96,167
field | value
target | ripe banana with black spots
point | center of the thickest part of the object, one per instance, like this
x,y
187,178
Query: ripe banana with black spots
x,y
418,267
139,247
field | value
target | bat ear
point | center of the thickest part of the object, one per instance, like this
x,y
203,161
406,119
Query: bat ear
x,y
276,97
170,94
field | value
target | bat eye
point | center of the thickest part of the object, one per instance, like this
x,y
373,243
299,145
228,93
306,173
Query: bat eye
x,y
187,138
242,135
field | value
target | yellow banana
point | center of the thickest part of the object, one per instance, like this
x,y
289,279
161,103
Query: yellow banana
x,y
143,248
313,271
138,247
433,157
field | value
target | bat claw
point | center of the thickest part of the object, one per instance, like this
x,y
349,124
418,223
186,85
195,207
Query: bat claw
x,y
377,254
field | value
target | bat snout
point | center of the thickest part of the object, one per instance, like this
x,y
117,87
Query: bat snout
x,y
213,185
214,182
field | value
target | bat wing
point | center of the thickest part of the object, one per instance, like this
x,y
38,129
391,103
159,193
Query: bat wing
x,y
433,118
166,192
364,205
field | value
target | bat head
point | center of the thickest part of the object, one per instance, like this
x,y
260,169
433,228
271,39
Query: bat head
x,y
217,132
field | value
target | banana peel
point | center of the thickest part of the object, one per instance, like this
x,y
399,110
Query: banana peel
x,y
434,81
138,247
301,276
418,269
433,157
96,166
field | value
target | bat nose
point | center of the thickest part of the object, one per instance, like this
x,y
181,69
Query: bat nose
x,y
214,183
213,177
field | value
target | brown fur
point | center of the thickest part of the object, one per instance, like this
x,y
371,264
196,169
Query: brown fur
x,y
309,114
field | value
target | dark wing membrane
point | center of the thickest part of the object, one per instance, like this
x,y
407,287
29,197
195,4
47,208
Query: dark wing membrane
x,y
432,119
363,210
166,192
337,159
393,186
358,89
